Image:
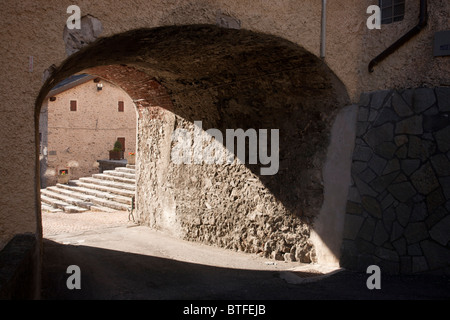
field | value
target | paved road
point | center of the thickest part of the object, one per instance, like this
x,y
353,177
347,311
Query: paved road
x,y
119,260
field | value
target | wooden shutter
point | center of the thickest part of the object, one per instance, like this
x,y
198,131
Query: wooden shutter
x,y
73,105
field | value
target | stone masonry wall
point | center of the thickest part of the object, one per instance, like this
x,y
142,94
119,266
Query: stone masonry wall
x,y
398,207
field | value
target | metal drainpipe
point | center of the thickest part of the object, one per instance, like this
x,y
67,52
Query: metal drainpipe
x,y
323,29
423,19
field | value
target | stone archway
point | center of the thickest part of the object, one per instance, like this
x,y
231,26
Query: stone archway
x,y
228,79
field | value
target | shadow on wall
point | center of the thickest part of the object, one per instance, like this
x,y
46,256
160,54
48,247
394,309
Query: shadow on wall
x,y
228,79
398,206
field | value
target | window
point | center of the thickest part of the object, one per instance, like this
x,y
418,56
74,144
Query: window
x,y
73,105
392,10
121,106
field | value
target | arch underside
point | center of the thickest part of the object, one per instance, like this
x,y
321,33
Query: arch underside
x,y
228,79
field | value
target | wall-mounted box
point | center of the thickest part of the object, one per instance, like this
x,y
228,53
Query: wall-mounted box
x,y
441,46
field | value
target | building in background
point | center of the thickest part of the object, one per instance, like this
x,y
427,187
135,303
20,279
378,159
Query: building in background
x,y
82,118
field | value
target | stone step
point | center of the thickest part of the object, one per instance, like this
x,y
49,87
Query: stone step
x,y
48,208
88,203
120,174
64,206
102,188
127,170
67,199
104,176
108,183
86,193
131,166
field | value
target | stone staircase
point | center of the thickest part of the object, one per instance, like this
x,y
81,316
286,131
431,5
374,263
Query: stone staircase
x,y
109,191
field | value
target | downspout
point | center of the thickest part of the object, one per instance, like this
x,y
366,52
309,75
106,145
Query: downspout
x,y
423,19
323,29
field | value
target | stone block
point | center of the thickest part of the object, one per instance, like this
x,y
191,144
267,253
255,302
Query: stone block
x,y
397,231
353,208
443,139
358,166
410,165
362,153
352,226
372,206
403,212
379,98
380,236
419,212
420,148
75,39
386,149
432,123
400,106
367,229
401,140
377,164
377,135
388,219
381,183
414,250
415,232
363,188
373,114
445,184
412,125
424,179
400,246
423,99
419,264
441,164
443,98
363,114
225,21
386,254
353,195
435,200
365,247
386,115
364,99
367,175
402,191
438,214
392,166
438,257
440,232
387,202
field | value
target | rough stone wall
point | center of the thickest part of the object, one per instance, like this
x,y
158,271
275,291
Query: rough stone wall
x,y
223,205
398,206
77,139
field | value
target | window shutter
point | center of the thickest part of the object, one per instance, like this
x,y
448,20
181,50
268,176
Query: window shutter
x,y
73,105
